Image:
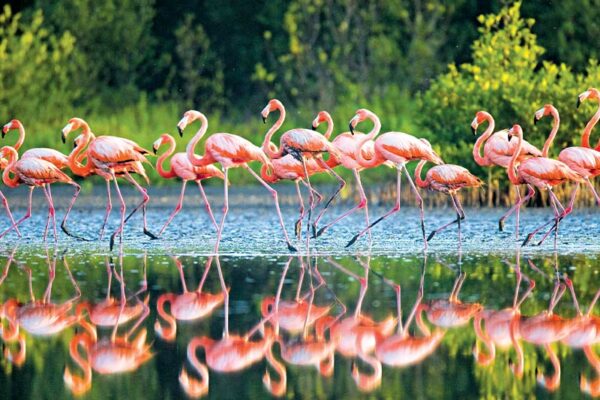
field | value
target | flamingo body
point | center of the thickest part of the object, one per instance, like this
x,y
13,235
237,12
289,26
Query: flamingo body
x,y
402,351
583,160
448,178
400,148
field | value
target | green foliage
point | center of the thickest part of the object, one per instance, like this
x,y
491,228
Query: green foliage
x,y
508,79
34,67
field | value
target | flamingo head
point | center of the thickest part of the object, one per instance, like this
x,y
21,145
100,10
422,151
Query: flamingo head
x,y
188,117
591,93
73,125
164,138
272,105
516,130
323,116
8,152
480,117
361,115
542,112
78,140
13,124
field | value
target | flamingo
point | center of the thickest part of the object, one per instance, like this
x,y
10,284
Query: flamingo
x,y
346,144
449,179
109,157
182,168
583,160
53,156
594,94
400,349
543,173
397,148
289,168
497,151
187,306
231,151
35,172
302,144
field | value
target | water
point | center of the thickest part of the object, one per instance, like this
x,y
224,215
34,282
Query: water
x,y
254,262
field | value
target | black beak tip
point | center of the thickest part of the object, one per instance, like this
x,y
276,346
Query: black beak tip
x,y
535,120
64,139
474,131
180,131
264,120
154,150
578,102
314,128
351,128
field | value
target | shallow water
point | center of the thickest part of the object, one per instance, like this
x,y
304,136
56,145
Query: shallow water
x,y
253,263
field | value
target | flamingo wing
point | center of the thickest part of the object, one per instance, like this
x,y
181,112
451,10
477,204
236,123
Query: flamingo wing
x,y
401,147
111,149
227,148
453,176
34,171
304,140
53,156
551,171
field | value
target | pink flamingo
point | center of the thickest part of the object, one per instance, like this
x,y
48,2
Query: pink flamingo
x,y
543,173
397,148
594,94
302,144
497,151
346,144
182,168
231,151
449,179
288,168
53,156
35,172
109,157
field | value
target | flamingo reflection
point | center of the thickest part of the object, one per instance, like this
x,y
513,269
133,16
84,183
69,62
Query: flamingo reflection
x,y
229,354
37,317
113,355
187,306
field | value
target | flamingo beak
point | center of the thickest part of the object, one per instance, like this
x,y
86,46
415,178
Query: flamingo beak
x,y
474,130
64,138
181,125
154,149
74,143
535,120
578,101
264,119
351,128
180,131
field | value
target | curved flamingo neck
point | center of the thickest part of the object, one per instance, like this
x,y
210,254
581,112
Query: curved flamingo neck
x,y
514,329
21,138
479,159
373,162
80,385
420,182
585,137
191,147
169,332
268,174
555,126
481,357
160,167
12,159
329,130
270,149
512,175
76,156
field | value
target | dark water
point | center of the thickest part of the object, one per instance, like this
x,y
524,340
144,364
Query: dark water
x,y
447,370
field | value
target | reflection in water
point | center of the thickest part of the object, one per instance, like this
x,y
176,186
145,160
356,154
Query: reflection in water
x,y
335,327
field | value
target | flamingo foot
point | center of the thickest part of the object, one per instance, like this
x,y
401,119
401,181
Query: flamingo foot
x,y
320,232
501,225
112,241
527,239
431,235
291,248
298,228
66,231
351,242
314,231
150,234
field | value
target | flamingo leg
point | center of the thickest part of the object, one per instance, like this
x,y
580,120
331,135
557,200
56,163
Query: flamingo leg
x,y
342,184
394,210
119,230
226,292
24,217
108,208
204,275
459,217
63,225
298,225
10,216
207,204
419,202
181,274
47,217
509,212
51,212
276,200
177,208
553,202
590,185
318,196
225,208
361,204
142,205
563,214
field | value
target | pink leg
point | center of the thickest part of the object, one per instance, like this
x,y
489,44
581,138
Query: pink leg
x,y
298,225
561,215
342,183
63,225
10,216
119,230
378,220
225,292
275,198
419,202
514,208
207,204
459,217
142,205
51,212
360,205
225,210
553,202
25,217
108,208
590,185
176,210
